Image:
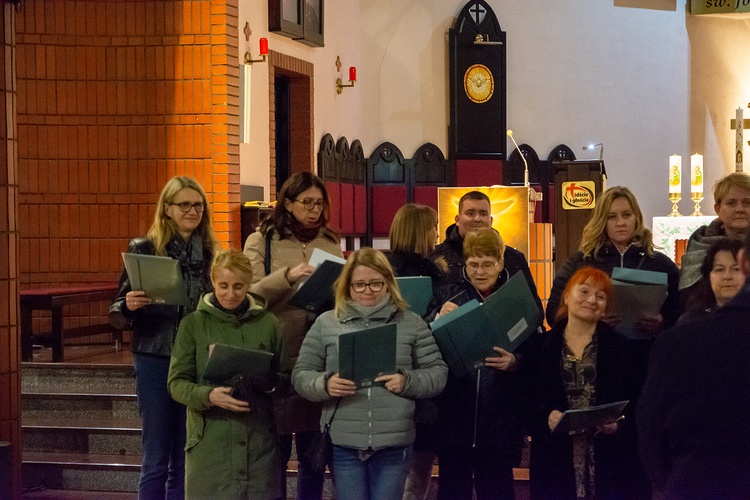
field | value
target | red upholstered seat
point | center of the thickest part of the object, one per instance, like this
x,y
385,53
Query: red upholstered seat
x,y
346,205
334,199
386,200
426,195
479,172
360,209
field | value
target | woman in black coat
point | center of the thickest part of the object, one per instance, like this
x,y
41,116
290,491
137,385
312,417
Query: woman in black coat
x,y
412,237
580,363
477,434
616,236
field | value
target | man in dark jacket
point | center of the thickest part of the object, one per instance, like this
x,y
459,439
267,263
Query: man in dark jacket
x,y
474,213
693,412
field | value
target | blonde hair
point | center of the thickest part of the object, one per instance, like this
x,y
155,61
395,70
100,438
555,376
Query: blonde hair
x,y
410,227
740,180
164,228
485,242
595,232
376,261
235,261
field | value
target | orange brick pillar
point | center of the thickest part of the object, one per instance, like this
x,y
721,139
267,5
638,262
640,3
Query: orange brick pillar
x,y
10,345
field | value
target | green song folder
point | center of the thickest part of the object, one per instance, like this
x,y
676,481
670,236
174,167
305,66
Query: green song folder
x,y
226,361
416,291
637,294
364,355
590,418
505,319
316,294
160,277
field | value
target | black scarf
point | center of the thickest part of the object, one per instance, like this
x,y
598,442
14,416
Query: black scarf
x,y
303,233
195,262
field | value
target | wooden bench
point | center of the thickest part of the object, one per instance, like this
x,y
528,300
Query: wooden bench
x,y
53,300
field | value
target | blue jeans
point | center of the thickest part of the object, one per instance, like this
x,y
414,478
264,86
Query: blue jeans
x,y
309,482
163,434
381,476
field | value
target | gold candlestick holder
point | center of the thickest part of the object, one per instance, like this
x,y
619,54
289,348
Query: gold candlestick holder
x,y
697,198
675,199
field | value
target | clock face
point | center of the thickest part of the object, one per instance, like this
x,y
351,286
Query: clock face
x,y
478,83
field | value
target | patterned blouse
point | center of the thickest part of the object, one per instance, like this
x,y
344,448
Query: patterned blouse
x,y
579,380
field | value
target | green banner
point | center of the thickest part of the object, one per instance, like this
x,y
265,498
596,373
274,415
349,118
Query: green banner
x,y
719,6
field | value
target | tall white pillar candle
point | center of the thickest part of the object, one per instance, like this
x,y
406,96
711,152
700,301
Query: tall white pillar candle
x,y
696,173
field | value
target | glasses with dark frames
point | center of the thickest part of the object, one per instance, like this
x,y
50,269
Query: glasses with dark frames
x,y
186,206
375,286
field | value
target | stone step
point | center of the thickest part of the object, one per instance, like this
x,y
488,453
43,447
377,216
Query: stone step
x,y
51,494
73,406
73,377
81,471
106,437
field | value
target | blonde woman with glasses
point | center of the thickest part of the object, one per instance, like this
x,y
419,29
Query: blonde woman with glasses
x,y
372,430
181,230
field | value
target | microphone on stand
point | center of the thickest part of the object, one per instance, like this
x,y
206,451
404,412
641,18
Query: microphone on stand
x,y
601,150
523,157
601,162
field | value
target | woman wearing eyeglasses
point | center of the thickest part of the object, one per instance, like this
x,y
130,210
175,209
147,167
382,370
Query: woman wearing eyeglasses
x,y
373,428
181,230
478,437
279,252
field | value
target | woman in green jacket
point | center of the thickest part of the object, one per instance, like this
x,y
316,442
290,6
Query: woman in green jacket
x,y
232,448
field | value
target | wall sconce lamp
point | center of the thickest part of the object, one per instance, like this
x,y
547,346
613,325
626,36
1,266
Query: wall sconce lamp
x,y
263,52
352,79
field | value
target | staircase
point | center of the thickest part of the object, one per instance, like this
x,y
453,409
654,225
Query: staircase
x,y
81,429
82,433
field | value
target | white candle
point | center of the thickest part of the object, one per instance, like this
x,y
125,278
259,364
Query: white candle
x,y
675,177
738,140
696,173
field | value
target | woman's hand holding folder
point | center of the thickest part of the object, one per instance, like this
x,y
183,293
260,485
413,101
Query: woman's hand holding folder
x,y
340,387
222,397
135,300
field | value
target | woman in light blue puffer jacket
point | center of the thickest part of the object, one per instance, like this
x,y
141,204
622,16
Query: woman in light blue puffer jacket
x,y
373,428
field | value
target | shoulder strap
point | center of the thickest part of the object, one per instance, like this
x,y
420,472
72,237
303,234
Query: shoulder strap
x,y
267,256
328,425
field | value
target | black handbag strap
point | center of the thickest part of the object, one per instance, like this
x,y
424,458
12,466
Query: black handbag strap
x,y
335,409
267,256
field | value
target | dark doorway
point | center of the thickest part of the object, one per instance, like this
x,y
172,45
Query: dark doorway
x,y
282,136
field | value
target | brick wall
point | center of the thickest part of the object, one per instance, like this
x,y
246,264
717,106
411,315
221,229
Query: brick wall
x,y
10,346
114,98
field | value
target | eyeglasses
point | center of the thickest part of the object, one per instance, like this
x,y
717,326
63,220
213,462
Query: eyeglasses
x,y
185,206
375,286
311,204
484,266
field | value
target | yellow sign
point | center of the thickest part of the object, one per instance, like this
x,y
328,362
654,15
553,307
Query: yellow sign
x,y
509,206
578,195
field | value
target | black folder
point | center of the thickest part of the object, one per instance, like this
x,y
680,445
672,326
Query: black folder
x,y
160,277
506,319
316,294
226,361
589,418
364,355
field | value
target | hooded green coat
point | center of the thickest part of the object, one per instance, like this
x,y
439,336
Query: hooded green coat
x,y
228,454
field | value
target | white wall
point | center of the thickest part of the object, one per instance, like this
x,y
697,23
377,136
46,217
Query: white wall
x,y
647,82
